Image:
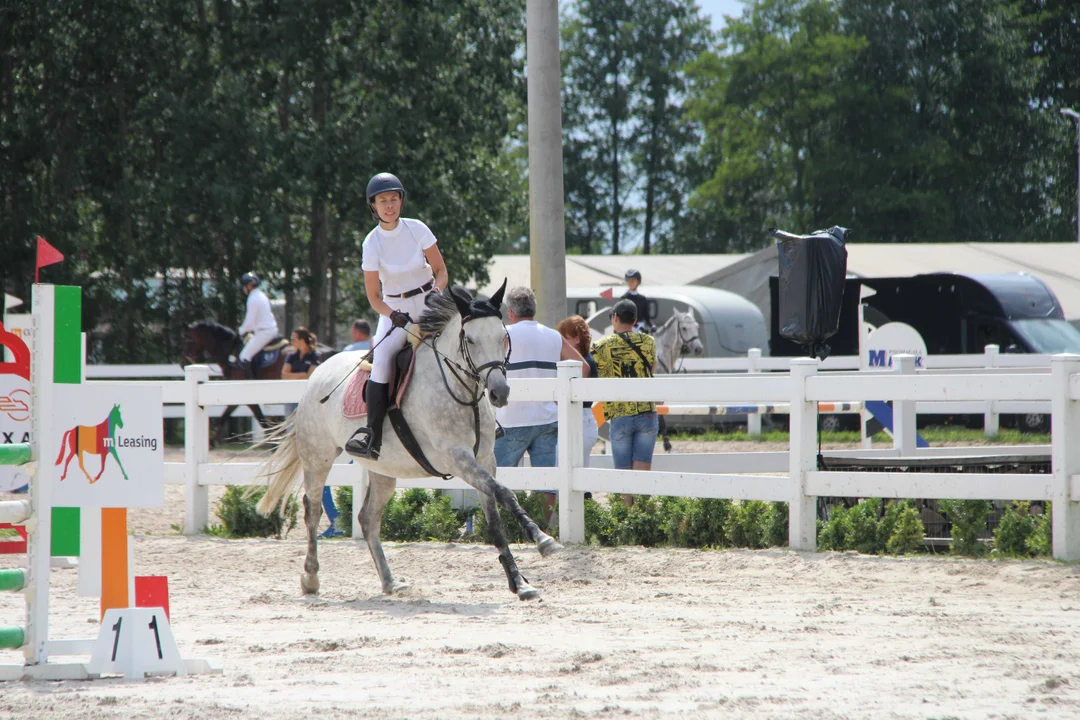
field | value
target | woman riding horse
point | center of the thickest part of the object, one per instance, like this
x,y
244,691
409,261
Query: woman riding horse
x,y
402,264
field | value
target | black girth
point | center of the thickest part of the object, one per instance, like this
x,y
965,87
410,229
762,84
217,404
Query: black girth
x,y
471,379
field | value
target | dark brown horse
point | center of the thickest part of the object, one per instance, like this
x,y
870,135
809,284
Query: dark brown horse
x,y
208,340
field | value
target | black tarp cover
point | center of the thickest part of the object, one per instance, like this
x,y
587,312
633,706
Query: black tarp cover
x,y
812,272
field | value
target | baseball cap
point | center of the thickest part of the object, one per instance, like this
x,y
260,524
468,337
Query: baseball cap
x,y
626,310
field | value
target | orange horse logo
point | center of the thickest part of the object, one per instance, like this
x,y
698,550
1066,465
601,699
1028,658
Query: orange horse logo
x,y
94,439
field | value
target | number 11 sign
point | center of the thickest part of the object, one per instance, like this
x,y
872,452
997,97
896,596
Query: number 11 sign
x,y
136,642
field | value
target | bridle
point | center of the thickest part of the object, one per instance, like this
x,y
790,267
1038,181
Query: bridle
x,y
685,342
471,377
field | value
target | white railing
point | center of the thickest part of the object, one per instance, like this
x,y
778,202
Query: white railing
x,y
735,476
990,361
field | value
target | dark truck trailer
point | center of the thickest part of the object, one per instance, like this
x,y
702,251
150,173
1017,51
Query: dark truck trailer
x,y
956,314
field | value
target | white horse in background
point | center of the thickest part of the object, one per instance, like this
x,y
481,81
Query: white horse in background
x,y
460,364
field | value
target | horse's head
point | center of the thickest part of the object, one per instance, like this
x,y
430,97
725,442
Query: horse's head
x,y
208,339
115,418
485,344
688,332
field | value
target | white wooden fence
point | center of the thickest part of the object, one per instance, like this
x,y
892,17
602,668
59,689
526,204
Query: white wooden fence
x,y
991,360
734,476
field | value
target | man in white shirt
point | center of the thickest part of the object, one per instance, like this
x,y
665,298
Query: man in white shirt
x,y
535,349
258,320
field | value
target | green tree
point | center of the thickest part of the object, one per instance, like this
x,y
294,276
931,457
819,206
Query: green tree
x,y
668,35
768,100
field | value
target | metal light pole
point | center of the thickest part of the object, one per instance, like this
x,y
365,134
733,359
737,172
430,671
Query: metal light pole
x,y
547,231
1076,117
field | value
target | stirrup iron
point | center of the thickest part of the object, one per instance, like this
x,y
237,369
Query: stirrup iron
x,y
359,445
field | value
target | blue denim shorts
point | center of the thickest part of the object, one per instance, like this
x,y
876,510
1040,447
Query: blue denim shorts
x,y
541,442
633,439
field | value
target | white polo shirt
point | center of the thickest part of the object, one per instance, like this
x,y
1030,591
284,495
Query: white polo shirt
x,y
398,255
535,350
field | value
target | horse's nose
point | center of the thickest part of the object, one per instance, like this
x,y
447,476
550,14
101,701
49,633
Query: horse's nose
x,y
698,350
500,396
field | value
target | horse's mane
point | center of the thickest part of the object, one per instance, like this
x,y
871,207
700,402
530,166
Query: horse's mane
x,y
216,330
440,310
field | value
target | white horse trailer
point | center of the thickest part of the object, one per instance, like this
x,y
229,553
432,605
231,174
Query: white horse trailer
x,y
730,324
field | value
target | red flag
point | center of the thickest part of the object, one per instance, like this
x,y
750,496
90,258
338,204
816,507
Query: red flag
x,y
608,294
46,255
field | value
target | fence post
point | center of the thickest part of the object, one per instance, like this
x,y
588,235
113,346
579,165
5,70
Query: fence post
x,y
753,420
991,420
802,511
196,451
1065,457
571,502
904,410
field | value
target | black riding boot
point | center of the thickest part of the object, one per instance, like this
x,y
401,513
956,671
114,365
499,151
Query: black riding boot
x,y
249,369
367,441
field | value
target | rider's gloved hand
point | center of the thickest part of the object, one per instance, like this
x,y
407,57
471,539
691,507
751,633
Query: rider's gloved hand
x,y
399,319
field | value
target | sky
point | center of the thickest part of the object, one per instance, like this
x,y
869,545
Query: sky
x,y
718,8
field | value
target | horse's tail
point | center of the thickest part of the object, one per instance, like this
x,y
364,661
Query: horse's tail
x,y
282,468
63,446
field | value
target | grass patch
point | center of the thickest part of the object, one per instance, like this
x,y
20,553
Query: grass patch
x,y
933,435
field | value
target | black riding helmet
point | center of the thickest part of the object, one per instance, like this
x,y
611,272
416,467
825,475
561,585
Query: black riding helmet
x,y
635,274
380,183
249,278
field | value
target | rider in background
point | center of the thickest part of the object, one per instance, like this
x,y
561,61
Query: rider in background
x,y
401,264
258,320
644,322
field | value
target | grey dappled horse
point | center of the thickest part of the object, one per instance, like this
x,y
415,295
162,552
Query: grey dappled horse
x,y
463,353
677,336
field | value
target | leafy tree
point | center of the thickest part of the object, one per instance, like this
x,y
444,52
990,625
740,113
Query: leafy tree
x,y
768,100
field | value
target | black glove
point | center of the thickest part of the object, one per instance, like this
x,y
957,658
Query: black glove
x,y
399,319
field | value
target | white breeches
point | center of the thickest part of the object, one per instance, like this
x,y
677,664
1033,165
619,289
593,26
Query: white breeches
x,y
258,341
382,364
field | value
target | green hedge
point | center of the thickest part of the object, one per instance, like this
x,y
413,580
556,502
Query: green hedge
x,y
873,526
239,519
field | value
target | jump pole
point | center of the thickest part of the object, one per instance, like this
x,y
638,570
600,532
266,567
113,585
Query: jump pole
x,y
136,645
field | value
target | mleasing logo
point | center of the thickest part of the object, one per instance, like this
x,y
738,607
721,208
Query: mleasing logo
x,y
101,440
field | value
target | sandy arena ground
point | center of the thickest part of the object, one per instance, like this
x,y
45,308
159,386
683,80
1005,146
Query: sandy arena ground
x,y
624,632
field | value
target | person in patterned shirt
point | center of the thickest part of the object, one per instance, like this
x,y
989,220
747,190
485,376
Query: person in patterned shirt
x,y
634,425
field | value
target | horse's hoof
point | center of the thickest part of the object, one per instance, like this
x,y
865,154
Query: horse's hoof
x,y
397,588
309,584
527,592
548,546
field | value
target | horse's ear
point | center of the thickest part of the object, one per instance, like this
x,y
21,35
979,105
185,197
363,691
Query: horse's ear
x,y
461,302
497,298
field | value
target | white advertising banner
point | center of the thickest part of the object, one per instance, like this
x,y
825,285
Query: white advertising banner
x,y
106,446
894,338
15,402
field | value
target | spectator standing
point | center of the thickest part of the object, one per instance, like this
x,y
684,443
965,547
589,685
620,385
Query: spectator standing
x,y
301,362
361,336
577,333
628,354
535,350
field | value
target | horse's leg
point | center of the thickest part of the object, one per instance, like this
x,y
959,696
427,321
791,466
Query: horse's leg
x,y
314,480
258,413
380,489
83,467
518,584
223,421
465,466
664,434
